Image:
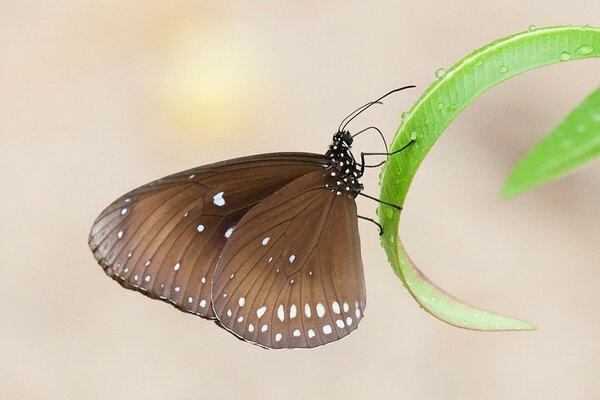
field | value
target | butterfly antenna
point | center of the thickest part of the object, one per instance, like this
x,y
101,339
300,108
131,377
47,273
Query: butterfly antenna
x,y
380,134
360,110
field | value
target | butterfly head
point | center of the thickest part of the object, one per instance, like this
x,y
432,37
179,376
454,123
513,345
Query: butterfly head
x,y
343,139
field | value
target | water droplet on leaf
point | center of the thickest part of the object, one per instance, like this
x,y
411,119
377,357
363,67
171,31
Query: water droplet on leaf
x,y
564,56
532,27
503,69
584,50
439,73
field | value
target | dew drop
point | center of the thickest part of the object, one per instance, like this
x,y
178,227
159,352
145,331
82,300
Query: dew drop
x,y
479,63
403,116
453,106
566,143
440,106
584,50
532,28
503,69
413,135
564,56
440,72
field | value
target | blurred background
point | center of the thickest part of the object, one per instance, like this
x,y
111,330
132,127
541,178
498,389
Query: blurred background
x,y
98,98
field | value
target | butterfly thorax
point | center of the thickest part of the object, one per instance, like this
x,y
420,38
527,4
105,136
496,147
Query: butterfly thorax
x,y
344,172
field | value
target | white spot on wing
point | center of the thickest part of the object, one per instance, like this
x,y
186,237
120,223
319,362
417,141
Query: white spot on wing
x,y
177,289
200,228
250,328
203,280
339,323
229,312
124,211
147,278
261,311
229,232
293,311
336,307
218,199
311,333
120,234
240,318
327,329
320,310
346,307
349,321
307,310
264,328
203,303
280,313
242,301
278,337
265,241
292,258
296,333
176,267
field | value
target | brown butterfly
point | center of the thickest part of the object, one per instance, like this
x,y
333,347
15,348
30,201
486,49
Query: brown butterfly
x,y
266,245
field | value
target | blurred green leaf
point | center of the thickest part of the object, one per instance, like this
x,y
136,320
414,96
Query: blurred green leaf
x,y
573,142
451,93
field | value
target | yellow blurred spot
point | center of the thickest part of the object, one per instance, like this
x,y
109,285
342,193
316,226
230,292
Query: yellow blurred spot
x,y
211,83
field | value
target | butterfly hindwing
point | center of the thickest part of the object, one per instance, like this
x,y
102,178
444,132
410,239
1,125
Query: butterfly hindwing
x,y
292,275
165,238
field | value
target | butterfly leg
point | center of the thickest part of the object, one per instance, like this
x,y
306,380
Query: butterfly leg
x,y
373,221
380,201
362,156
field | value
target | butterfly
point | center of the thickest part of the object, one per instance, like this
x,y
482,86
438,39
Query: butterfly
x,y
266,245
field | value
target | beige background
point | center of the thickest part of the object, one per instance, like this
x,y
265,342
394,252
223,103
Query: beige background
x,y
100,97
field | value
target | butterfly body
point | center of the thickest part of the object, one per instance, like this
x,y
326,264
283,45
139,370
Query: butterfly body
x,y
266,245
344,178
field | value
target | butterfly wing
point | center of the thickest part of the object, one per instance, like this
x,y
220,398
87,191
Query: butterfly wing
x,y
164,238
292,276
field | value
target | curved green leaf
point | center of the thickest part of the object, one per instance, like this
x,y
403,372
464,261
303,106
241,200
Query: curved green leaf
x,y
573,142
428,118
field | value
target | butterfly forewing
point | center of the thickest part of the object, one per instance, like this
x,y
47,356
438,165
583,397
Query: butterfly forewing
x,y
292,275
164,238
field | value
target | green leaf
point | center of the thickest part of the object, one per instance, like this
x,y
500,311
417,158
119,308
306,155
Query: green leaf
x,y
573,142
428,118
